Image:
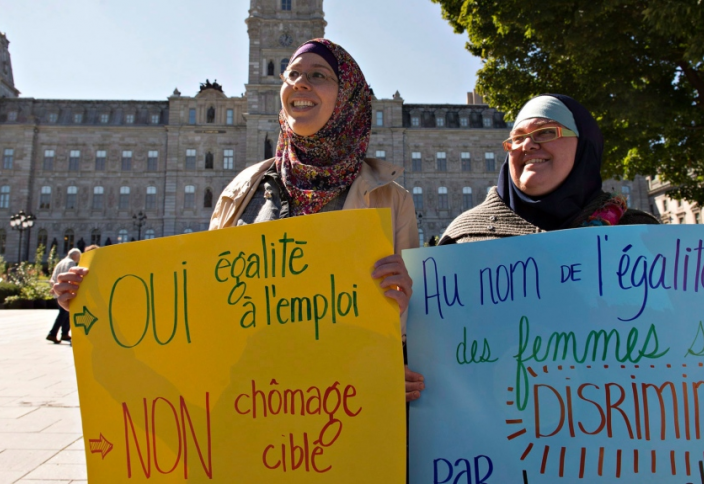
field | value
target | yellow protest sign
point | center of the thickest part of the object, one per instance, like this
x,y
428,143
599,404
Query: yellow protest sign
x,y
256,354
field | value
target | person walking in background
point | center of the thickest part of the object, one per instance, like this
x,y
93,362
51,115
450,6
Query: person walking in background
x,y
62,320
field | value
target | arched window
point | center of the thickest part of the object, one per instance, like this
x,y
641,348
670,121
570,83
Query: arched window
x,y
71,193
443,203
268,149
490,163
45,198
68,240
284,65
189,200
42,239
95,237
123,236
208,161
124,202
210,115
418,198
467,201
148,234
208,198
188,231
98,193
270,68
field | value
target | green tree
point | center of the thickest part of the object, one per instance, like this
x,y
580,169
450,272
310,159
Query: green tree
x,y
51,260
637,65
39,258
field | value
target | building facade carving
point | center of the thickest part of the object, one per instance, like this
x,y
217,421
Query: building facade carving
x,y
85,168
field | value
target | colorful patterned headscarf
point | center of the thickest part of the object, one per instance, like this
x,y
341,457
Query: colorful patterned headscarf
x,y
315,169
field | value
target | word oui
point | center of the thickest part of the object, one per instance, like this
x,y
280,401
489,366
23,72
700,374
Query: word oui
x,y
313,401
122,296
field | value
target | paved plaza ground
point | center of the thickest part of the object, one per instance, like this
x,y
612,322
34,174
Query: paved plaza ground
x,y
40,422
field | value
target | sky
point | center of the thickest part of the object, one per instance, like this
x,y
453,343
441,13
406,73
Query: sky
x,y
143,49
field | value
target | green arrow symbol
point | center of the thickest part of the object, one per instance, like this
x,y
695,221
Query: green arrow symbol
x,y
86,320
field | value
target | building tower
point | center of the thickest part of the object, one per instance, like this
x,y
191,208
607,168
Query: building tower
x,y
276,28
7,82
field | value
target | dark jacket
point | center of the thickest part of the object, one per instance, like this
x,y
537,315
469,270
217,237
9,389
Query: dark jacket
x,y
493,219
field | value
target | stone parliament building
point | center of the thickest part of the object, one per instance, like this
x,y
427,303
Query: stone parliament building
x,y
85,168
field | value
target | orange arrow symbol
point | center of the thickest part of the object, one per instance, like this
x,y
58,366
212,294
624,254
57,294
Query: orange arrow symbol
x,y
100,446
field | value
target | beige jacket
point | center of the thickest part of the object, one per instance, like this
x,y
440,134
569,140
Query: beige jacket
x,y
374,188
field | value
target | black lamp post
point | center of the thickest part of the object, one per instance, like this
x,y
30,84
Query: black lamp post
x,y
21,221
139,220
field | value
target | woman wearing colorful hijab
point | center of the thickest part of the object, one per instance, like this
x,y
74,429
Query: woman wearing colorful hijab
x,y
550,180
320,163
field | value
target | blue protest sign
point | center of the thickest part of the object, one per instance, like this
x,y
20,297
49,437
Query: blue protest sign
x,y
571,356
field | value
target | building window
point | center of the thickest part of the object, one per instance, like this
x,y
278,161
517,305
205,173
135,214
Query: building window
x,y
421,237
78,118
123,236
441,161
488,190
230,118
418,198
100,156
188,230
74,160
208,198
98,198
381,154
626,192
155,118
467,201
152,160
53,117
192,116
43,239
416,161
464,122
95,237
190,159
71,198
68,240
5,196
284,65
129,119
443,203
209,161
8,158
466,161
380,118
3,241
697,218
228,162
149,234
150,201
487,122
415,121
126,161
45,198
48,160
440,122
664,204
12,116
285,4
490,162
189,199
680,219
124,202
104,118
